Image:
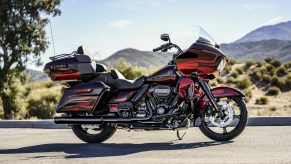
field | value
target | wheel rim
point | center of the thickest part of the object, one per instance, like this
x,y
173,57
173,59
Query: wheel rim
x,y
91,129
235,122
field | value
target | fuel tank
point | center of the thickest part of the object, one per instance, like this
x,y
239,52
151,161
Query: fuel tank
x,y
165,75
203,58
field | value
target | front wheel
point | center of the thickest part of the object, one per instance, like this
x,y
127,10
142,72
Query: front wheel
x,y
94,133
231,125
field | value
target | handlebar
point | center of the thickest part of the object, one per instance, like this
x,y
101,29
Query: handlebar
x,y
157,49
165,47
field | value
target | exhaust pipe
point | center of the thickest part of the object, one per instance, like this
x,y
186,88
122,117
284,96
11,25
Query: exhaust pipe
x,y
96,120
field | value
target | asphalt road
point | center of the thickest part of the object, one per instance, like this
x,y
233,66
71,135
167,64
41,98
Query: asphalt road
x,y
255,145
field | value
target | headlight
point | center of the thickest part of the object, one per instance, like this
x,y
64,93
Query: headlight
x,y
221,65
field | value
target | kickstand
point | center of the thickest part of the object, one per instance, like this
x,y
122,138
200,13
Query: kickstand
x,y
179,136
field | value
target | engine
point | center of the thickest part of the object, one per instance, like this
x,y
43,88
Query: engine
x,y
163,96
161,101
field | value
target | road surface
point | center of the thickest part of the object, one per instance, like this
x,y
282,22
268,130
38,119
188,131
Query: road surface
x,y
255,145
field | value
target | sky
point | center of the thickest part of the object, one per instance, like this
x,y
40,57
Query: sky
x,y
104,27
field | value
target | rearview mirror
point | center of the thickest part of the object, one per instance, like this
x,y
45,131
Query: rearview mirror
x,y
165,37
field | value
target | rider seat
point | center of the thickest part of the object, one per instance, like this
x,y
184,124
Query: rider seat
x,y
119,82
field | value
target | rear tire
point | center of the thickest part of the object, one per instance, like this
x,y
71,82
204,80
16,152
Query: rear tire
x,y
235,132
104,134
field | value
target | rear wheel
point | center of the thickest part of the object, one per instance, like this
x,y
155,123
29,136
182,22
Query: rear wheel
x,y
94,133
228,127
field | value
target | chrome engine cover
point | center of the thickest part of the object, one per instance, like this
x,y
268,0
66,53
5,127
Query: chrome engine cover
x,y
162,91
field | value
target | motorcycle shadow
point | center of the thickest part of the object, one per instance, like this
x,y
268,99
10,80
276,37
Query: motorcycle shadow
x,y
106,149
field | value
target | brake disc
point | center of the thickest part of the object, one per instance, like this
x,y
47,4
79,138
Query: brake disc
x,y
226,120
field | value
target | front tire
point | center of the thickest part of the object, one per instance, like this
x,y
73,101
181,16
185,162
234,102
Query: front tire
x,y
103,133
205,126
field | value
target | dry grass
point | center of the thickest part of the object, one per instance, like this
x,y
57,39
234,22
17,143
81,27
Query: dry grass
x,y
279,105
1,110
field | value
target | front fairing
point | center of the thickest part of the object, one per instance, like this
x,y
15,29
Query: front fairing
x,y
203,56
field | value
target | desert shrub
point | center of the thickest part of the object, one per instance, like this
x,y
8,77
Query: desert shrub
x,y
262,101
234,74
42,103
247,100
270,70
275,80
286,65
268,60
219,80
129,71
266,78
226,69
259,75
249,93
259,64
282,71
249,63
43,108
1,110
213,83
230,80
233,61
263,70
248,96
281,83
244,83
276,63
273,109
273,91
289,76
239,71
288,84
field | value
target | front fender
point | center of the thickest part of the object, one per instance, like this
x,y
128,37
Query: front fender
x,y
223,91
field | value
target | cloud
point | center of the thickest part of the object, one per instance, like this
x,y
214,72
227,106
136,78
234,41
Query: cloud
x,y
255,6
122,23
274,20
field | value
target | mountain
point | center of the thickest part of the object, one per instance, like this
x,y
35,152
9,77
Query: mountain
x,y
259,50
281,31
139,58
36,75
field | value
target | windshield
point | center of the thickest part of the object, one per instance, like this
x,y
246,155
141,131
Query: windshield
x,y
186,36
201,36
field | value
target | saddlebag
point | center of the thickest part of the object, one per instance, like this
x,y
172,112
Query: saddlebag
x,y
82,98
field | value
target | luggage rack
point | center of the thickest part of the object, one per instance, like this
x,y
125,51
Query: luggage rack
x,y
62,56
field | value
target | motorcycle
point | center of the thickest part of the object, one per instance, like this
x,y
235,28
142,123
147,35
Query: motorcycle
x,y
96,101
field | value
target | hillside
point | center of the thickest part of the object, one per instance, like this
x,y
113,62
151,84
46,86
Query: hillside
x,y
36,75
281,31
259,50
145,59
267,85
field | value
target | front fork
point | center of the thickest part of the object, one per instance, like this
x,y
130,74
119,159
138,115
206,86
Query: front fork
x,y
207,91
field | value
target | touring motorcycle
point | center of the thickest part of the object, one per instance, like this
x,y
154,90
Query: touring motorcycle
x,y
97,101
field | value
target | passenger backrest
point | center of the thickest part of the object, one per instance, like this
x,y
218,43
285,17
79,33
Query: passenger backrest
x,y
116,74
101,67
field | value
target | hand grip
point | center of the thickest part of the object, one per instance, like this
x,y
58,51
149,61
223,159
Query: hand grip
x,y
157,49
